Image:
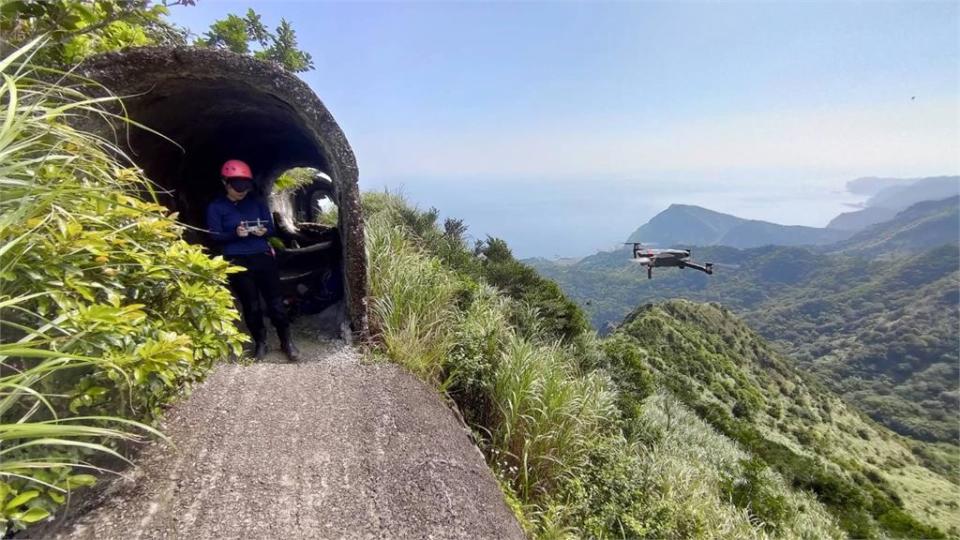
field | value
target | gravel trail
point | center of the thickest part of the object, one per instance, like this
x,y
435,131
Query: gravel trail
x,y
326,448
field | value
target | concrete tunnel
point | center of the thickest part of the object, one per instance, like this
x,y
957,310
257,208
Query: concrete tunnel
x,y
217,105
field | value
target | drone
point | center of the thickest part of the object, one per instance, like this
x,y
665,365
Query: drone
x,y
652,258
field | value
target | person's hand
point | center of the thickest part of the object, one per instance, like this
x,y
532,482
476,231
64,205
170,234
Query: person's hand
x,y
242,231
260,231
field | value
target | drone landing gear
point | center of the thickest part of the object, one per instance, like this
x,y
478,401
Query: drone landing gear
x,y
649,272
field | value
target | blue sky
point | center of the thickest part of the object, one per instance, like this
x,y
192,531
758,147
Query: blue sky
x,y
563,126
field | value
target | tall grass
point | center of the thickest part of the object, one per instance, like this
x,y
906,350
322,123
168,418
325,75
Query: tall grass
x,y
104,311
550,416
538,415
413,310
693,468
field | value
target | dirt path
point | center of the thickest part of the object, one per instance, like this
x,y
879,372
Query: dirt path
x,y
328,448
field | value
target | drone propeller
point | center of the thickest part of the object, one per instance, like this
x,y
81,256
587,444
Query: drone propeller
x,y
725,265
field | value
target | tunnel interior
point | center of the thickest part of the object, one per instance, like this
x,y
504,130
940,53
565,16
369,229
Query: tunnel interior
x,y
205,122
211,122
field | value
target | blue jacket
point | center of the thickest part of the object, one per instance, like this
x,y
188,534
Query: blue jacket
x,y
223,217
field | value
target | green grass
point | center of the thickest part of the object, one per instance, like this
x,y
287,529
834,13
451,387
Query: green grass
x,y
550,416
413,313
818,444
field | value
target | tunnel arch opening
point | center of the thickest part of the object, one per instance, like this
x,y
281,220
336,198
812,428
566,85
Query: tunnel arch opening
x,y
201,107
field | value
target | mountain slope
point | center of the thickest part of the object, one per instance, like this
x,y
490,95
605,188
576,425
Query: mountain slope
x,y
753,233
882,333
743,279
931,188
725,372
686,225
888,196
887,341
861,219
920,226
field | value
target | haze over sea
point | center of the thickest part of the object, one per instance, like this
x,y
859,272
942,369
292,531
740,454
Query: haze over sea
x,y
561,127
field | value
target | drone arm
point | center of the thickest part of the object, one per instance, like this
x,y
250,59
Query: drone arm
x,y
706,268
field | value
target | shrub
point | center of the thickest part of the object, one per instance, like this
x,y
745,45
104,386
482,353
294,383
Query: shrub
x,y
557,316
481,336
626,363
294,179
105,311
753,489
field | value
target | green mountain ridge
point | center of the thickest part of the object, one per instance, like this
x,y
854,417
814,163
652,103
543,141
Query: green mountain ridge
x,y
889,343
899,197
861,219
888,196
877,326
685,225
684,423
922,225
864,474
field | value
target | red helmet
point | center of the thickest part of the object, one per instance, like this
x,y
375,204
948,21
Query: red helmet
x,y
235,168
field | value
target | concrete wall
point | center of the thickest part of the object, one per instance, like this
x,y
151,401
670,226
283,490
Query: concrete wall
x,y
204,106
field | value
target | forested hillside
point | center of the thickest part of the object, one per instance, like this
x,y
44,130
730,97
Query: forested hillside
x,y
861,219
888,196
923,225
684,423
874,317
686,225
721,369
886,340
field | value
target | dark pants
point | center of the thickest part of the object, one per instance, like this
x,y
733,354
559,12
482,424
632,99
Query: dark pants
x,y
262,278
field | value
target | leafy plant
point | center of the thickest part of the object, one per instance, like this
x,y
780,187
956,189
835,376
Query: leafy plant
x,y
236,33
76,29
294,179
105,312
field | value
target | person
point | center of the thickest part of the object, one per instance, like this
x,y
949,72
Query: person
x,y
241,223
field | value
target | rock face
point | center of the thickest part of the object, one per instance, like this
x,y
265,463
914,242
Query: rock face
x,y
195,108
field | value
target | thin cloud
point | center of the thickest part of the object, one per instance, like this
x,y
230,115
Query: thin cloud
x,y
899,139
